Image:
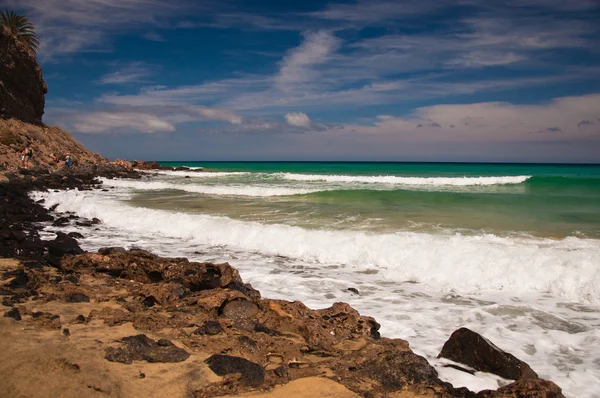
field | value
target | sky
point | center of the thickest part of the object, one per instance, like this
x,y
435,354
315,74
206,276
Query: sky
x,y
363,80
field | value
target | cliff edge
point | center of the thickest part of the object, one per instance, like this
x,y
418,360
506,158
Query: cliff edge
x,y
22,87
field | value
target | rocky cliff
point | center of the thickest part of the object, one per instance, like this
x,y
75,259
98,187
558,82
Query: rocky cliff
x,y
44,141
22,91
22,87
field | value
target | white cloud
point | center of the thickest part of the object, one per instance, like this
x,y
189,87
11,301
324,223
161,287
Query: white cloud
x,y
135,72
102,122
297,67
558,119
298,119
226,115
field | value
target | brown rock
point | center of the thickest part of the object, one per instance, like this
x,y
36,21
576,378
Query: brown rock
x,y
532,388
76,298
141,347
251,373
13,313
472,349
46,320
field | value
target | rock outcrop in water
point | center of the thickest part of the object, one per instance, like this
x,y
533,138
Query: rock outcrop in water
x,y
472,349
22,87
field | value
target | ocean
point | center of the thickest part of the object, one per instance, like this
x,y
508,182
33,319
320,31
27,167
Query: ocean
x,y
511,251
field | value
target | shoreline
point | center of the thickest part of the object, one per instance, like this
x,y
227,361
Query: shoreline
x,y
227,316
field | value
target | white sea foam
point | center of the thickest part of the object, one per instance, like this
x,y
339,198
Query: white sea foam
x,y
198,174
429,181
567,268
226,190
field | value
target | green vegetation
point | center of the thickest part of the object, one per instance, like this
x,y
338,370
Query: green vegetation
x,y
22,28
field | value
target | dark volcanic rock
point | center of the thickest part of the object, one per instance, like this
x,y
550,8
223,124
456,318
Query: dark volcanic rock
x,y
22,87
77,298
143,348
472,349
13,313
47,320
61,222
531,388
252,374
61,246
395,370
210,327
110,250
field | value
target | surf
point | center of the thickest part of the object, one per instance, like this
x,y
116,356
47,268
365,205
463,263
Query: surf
x,y
566,268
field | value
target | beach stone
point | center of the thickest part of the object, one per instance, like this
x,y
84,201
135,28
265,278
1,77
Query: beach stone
x,y
76,298
531,388
47,320
470,348
13,313
210,327
61,222
20,280
252,374
61,246
141,347
397,369
149,301
111,250
239,309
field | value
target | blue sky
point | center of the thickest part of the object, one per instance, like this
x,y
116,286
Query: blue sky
x,y
414,80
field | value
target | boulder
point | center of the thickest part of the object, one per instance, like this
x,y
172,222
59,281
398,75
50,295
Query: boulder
x,y
210,328
61,246
13,313
252,374
532,388
470,348
141,347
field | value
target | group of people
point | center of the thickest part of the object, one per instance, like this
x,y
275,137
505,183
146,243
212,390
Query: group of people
x,y
66,158
27,153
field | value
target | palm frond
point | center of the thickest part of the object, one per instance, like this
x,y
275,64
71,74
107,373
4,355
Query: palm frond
x,y
22,28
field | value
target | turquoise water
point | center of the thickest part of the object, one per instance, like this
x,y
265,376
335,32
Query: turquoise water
x,y
554,201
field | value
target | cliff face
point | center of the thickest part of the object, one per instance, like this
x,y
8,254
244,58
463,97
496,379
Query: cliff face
x,y
44,141
22,87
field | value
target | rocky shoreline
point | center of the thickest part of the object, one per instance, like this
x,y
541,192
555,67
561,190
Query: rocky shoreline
x,y
129,323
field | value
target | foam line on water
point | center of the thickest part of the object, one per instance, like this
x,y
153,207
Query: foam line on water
x,y
198,174
435,181
231,190
567,268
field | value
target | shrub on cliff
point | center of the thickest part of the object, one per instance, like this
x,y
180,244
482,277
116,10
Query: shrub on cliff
x,y
22,28
8,137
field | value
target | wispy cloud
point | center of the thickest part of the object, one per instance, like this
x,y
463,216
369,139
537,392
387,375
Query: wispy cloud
x,y
298,66
153,36
70,26
102,122
136,72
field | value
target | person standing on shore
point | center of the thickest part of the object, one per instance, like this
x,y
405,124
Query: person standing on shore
x,y
68,160
26,155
